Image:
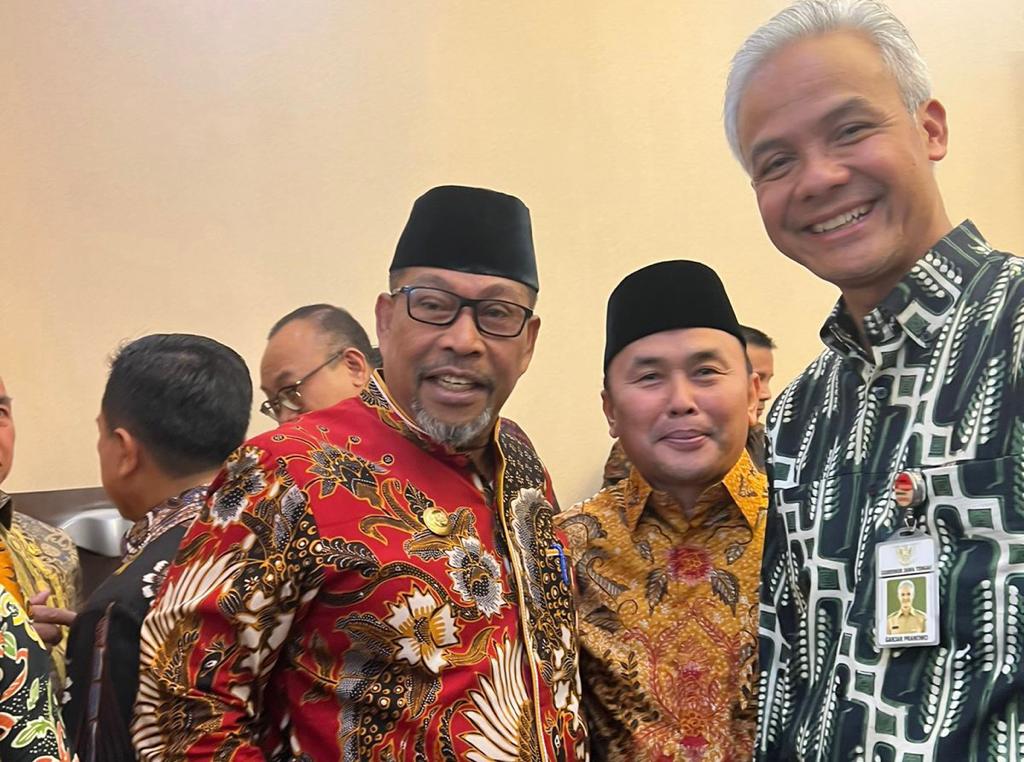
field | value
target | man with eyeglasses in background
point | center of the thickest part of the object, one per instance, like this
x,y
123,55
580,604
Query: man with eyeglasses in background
x,y
381,579
316,356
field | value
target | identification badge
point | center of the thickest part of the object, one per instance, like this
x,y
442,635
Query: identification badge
x,y
907,591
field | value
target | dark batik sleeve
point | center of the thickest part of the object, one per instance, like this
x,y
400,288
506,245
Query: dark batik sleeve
x,y
222,617
31,729
778,630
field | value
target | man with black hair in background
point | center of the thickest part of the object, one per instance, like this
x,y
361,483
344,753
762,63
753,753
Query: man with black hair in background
x,y
175,406
316,356
760,348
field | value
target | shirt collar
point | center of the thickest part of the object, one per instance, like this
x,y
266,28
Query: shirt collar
x,y
172,512
746,486
921,302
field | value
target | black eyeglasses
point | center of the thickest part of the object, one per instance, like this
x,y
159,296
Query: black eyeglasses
x,y
289,397
435,306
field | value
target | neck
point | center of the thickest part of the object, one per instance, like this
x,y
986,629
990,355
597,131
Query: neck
x,y
860,300
687,496
162,488
482,459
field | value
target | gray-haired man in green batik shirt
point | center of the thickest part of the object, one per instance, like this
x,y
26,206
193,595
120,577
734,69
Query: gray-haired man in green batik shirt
x,y
829,110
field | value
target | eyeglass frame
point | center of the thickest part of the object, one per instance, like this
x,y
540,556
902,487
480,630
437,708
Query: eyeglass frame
x,y
272,407
463,302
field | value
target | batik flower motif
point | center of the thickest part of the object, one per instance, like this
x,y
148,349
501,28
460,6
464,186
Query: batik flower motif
x,y
244,479
689,565
426,628
476,575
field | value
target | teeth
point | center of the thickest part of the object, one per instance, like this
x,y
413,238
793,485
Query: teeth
x,y
841,219
454,381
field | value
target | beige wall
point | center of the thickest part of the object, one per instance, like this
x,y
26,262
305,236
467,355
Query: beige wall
x,y
206,166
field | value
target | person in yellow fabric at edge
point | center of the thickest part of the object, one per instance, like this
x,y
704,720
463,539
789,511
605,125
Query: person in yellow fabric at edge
x,y
38,562
668,559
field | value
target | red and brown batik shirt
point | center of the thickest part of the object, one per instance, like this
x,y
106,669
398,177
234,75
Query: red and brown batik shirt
x,y
354,591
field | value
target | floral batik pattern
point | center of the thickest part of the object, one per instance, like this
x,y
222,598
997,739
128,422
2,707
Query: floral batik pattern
x,y
668,617
938,387
31,729
354,591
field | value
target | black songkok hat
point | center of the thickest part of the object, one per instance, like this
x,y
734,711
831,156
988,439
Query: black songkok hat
x,y
663,297
471,230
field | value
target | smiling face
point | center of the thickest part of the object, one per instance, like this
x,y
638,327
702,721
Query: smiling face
x,y
841,169
681,402
452,379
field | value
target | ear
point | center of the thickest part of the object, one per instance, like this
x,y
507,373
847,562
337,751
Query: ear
x,y
609,413
753,398
384,311
531,330
932,117
357,365
127,451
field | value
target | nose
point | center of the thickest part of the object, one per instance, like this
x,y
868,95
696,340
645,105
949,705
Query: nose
x,y
820,172
681,400
462,337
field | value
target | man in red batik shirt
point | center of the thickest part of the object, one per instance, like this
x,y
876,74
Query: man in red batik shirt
x,y
380,580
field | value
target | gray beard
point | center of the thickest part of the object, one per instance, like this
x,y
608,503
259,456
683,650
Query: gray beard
x,y
458,436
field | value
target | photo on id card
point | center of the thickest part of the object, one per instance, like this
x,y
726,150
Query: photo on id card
x,y
907,600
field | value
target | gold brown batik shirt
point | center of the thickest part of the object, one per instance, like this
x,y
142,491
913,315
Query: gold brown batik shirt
x,y
668,617
354,591
43,557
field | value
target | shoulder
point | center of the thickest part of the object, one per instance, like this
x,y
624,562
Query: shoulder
x,y
583,522
41,532
804,393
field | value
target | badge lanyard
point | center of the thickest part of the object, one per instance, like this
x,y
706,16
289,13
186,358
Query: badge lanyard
x,y
906,574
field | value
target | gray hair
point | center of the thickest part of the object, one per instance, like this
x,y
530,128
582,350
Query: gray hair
x,y
810,18
906,583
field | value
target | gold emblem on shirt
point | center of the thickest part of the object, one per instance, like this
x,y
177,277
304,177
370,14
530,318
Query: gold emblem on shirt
x,y
437,521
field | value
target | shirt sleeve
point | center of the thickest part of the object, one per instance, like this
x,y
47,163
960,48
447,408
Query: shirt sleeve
x,y
778,626
218,625
30,723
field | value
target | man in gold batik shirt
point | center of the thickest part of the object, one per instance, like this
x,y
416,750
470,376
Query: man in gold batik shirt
x,y
668,560
38,562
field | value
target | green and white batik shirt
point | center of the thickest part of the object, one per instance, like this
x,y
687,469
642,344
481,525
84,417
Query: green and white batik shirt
x,y
940,389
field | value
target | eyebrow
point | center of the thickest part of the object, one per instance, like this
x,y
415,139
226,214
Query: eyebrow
x,y
854,103
708,354
695,359
5,400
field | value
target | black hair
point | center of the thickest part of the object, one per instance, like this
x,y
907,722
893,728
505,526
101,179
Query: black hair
x,y
343,330
756,337
186,398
